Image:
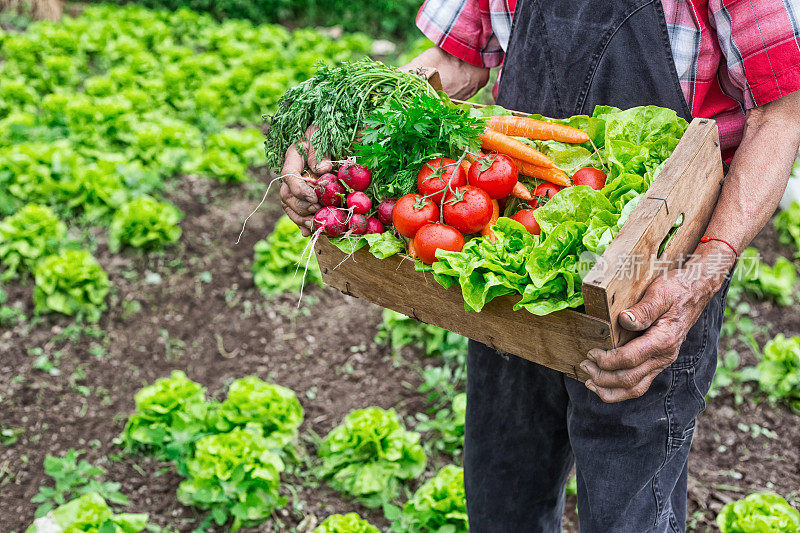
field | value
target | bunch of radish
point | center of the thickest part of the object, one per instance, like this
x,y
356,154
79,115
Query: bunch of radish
x,y
347,209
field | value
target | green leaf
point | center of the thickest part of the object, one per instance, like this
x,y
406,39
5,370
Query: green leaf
x,y
759,513
70,282
370,454
438,505
345,523
144,223
274,408
280,261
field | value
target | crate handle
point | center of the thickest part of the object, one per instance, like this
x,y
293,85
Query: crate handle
x,y
661,232
670,235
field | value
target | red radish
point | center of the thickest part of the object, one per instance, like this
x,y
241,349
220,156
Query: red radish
x,y
329,190
374,225
331,221
344,172
385,209
359,203
358,178
358,224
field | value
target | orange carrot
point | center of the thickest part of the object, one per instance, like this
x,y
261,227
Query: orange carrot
x,y
553,175
412,250
501,143
521,191
487,229
538,130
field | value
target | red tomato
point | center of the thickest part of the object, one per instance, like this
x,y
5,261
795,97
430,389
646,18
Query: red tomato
x,y
435,174
432,237
468,210
526,218
411,212
545,190
593,177
496,174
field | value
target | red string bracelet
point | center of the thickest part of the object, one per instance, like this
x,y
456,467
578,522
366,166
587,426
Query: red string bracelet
x,y
706,238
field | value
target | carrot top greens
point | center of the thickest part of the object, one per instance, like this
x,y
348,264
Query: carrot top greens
x,y
337,99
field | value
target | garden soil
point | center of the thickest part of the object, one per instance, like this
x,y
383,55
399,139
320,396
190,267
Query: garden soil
x,y
166,314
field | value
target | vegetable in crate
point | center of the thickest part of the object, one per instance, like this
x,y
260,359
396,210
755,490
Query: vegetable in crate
x,y
338,99
398,139
439,174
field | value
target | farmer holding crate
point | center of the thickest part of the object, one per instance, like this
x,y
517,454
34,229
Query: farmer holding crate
x,y
629,430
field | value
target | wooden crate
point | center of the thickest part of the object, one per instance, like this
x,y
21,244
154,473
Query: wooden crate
x,y
688,187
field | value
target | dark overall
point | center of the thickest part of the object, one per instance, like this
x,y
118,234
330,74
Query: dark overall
x,y
526,424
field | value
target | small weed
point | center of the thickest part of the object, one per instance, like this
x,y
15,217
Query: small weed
x,y
73,478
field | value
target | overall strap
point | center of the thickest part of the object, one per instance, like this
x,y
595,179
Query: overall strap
x,y
566,56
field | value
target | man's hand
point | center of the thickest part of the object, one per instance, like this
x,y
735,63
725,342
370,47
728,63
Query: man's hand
x,y
298,198
460,79
671,306
668,310
299,201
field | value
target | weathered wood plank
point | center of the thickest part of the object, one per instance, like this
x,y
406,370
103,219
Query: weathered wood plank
x,y
688,185
559,340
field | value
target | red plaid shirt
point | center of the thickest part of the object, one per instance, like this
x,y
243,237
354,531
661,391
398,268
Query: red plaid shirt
x,y
731,55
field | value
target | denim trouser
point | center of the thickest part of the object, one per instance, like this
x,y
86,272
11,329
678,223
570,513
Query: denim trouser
x,y
527,425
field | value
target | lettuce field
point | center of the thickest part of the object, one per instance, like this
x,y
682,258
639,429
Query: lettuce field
x,y
159,374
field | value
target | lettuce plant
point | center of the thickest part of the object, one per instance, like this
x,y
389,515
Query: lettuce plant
x,y
400,331
345,523
438,505
71,282
145,223
90,513
274,408
759,513
279,263
788,225
170,416
774,282
246,143
26,236
778,372
447,425
370,455
234,475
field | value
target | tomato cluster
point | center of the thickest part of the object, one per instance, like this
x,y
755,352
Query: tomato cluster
x,y
456,199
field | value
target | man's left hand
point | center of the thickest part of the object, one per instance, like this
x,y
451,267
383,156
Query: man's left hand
x,y
666,313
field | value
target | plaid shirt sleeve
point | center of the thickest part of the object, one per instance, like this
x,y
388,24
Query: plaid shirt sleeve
x,y
761,43
462,28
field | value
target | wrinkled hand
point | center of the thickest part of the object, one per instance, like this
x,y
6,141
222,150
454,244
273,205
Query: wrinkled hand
x,y
298,198
666,313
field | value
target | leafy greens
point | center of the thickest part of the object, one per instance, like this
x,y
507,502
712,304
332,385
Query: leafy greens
x,y
399,137
759,513
577,224
370,455
438,505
